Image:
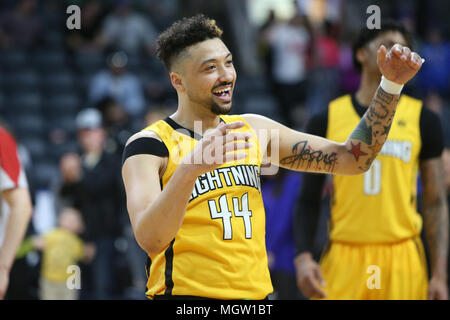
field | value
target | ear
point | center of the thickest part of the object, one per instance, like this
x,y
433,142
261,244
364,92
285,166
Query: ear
x,y
361,56
177,81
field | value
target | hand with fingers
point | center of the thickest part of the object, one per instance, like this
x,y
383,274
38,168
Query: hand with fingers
x,y
437,288
309,277
217,147
399,64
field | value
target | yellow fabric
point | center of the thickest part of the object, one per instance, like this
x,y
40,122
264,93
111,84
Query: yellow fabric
x,y
380,205
62,249
210,259
375,271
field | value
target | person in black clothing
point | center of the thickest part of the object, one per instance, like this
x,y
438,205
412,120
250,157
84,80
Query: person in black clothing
x,y
374,221
91,184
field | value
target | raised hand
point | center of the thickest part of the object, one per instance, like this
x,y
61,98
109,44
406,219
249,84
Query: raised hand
x,y
216,148
399,64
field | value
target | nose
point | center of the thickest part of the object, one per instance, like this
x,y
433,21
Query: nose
x,y
227,74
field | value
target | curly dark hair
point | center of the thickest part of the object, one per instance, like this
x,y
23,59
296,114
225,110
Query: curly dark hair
x,y
366,35
184,33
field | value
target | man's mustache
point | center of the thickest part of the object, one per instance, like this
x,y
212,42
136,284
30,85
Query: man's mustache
x,y
223,84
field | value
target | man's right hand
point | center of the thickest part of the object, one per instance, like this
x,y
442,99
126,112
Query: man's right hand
x,y
309,276
215,148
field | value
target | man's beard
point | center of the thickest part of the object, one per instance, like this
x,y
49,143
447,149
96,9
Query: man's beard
x,y
217,109
211,105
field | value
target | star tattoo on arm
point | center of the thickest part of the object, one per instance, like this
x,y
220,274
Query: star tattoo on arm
x,y
367,140
356,151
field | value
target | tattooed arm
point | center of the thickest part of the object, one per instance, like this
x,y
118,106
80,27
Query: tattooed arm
x,y
435,215
303,152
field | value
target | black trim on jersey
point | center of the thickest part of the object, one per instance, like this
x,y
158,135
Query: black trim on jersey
x,y
145,145
169,269
176,126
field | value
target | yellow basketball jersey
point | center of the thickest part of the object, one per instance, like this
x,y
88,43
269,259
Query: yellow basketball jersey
x,y
380,205
219,251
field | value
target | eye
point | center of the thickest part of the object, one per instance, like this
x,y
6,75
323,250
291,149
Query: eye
x,y
230,62
211,67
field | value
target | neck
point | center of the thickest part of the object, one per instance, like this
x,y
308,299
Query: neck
x,y
367,88
188,115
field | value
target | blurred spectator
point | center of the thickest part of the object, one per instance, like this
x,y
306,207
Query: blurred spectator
x,y
435,72
325,74
162,13
290,43
348,77
92,184
124,29
15,206
62,248
20,27
116,82
280,193
264,48
89,36
116,123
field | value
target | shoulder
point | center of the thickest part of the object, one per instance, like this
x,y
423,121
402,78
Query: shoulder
x,y
143,134
257,121
146,143
410,103
344,99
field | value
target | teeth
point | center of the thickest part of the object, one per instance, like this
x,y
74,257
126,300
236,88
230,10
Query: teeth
x,y
222,91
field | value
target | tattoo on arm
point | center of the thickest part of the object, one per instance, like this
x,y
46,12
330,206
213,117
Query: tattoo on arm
x,y
364,143
302,154
435,213
372,130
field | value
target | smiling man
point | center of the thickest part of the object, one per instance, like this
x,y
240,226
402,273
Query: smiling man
x,y
192,179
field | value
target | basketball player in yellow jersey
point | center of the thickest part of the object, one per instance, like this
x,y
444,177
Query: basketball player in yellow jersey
x,y
192,180
374,249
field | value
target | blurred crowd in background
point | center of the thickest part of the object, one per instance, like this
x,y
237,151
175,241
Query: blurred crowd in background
x,y
72,98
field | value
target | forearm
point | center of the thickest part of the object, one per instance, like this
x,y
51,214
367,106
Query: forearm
x,y
435,214
367,139
17,224
316,154
160,222
436,225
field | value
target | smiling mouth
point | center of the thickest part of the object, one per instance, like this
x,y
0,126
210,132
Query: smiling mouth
x,y
223,94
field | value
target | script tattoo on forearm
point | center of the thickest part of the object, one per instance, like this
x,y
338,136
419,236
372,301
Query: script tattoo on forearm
x,y
304,154
373,129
